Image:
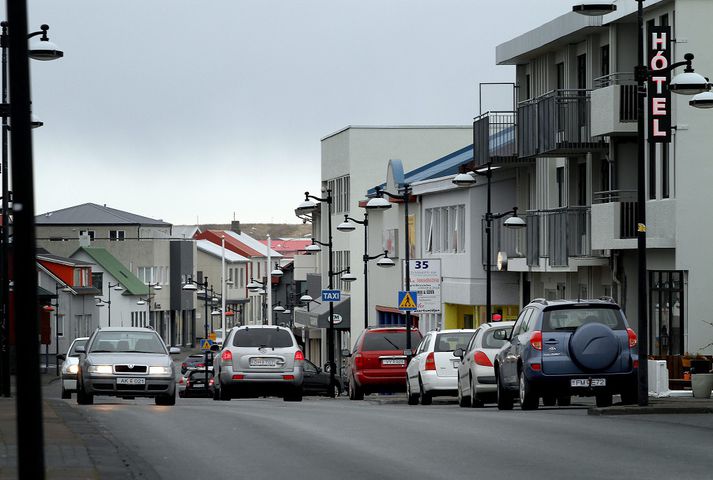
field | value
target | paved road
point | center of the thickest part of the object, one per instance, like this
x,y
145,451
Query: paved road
x,y
323,438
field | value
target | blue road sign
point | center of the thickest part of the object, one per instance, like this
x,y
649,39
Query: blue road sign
x,y
331,295
408,300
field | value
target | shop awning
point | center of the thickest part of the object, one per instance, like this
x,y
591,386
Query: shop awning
x,y
318,316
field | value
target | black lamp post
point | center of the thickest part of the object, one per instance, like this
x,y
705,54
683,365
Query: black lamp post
x,y
57,289
256,286
192,285
687,83
380,203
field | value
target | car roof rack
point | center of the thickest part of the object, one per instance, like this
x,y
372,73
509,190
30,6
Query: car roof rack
x,y
541,301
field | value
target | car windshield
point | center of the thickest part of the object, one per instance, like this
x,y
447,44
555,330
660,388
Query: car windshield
x,y
375,341
263,337
572,318
489,340
447,342
127,342
77,343
198,374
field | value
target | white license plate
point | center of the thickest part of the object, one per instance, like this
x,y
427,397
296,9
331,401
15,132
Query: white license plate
x,y
263,362
131,381
585,382
393,361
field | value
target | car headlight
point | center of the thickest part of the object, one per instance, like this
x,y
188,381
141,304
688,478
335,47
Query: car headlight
x,y
73,369
104,369
159,370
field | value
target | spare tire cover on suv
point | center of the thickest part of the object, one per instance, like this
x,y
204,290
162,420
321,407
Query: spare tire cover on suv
x,y
594,346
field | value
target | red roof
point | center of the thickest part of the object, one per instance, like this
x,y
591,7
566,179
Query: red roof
x,y
231,243
289,245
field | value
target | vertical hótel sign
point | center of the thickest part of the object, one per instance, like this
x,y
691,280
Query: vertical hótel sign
x,y
659,60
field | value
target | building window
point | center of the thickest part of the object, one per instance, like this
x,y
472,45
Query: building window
x,y
445,229
87,232
117,235
604,60
60,325
666,312
98,281
340,194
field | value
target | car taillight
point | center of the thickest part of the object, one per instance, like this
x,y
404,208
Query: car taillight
x,y
211,381
636,364
181,380
238,377
299,356
536,340
201,365
430,362
288,377
633,340
226,356
358,360
188,382
482,359
537,367
183,365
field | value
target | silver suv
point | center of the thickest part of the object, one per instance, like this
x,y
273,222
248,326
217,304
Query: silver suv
x,y
259,360
126,362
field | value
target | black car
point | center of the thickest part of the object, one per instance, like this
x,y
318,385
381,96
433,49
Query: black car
x,y
196,360
562,348
197,383
316,381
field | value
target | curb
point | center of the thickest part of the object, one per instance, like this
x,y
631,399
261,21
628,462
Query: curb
x,y
647,410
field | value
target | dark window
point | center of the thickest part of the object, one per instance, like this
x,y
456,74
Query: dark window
x,y
560,186
528,88
263,337
560,76
604,60
117,235
489,340
309,367
582,183
88,232
388,341
132,341
571,318
663,20
98,281
448,342
582,71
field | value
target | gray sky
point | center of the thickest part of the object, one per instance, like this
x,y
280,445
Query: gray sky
x,y
185,110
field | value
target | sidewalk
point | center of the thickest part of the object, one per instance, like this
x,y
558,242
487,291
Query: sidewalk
x,y
659,406
75,447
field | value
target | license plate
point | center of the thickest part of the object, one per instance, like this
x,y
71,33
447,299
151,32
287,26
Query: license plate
x,y
131,381
585,382
393,361
263,362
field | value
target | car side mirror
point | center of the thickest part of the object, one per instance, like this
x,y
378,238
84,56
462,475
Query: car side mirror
x,y
501,335
174,350
346,353
61,357
80,349
459,353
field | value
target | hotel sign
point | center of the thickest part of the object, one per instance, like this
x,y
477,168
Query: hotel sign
x,y
658,62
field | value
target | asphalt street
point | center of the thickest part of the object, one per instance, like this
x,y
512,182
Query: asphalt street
x,y
386,439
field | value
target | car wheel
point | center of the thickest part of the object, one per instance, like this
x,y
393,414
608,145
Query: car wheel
x,y
355,393
84,398
475,400
167,399
426,397
66,394
564,401
410,396
335,391
505,400
549,400
604,399
463,400
528,400
223,394
293,395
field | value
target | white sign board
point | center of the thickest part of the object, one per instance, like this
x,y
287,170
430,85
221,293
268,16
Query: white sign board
x,y
425,278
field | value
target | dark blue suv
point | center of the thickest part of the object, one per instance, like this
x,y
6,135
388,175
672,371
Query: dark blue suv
x,y
562,348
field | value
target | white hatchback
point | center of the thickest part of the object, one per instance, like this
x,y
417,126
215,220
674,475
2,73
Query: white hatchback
x,y
476,376
433,369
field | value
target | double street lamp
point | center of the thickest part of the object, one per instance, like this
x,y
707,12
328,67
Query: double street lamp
x,y
101,302
192,286
349,225
513,221
686,83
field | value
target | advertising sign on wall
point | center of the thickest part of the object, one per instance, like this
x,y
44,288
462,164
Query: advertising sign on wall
x,y
425,278
659,60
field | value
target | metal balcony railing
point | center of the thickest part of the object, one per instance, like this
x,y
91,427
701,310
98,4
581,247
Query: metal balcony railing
x,y
628,209
503,239
627,93
495,138
558,234
557,123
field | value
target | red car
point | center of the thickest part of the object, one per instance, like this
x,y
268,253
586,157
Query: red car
x,y
377,364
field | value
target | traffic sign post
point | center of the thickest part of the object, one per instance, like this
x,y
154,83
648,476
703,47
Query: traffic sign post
x,y
408,300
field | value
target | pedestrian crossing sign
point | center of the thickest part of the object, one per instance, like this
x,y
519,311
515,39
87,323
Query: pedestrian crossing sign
x,y
205,345
408,300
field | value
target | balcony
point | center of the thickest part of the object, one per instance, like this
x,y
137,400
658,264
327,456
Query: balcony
x,y
614,105
495,138
557,124
561,239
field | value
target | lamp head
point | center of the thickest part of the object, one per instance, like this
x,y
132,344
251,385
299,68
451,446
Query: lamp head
x,y
689,83
378,203
189,287
464,179
308,206
306,298
278,308
348,277
702,100
385,262
277,273
346,225
515,222
594,9
313,248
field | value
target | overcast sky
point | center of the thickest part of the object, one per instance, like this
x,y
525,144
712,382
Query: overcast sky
x,y
195,111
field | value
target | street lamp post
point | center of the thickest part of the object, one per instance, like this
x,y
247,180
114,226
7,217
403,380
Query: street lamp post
x,y
192,286
118,288
349,226
257,286
686,83
57,289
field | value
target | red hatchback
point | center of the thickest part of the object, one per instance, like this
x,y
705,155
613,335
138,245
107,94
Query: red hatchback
x,y
378,363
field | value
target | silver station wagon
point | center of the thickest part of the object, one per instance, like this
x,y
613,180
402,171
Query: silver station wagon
x,y
126,362
259,360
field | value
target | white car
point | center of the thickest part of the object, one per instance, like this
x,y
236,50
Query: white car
x,y
70,367
432,371
476,376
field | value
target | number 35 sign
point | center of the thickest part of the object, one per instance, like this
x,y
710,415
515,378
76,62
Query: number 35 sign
x,y
425,278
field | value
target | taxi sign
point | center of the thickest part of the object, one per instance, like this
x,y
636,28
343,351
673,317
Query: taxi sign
x,y
331,295
408,300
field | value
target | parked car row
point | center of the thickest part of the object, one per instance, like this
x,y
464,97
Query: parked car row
x,y
553,351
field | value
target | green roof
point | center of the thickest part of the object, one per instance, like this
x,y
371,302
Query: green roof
x,y
116,269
